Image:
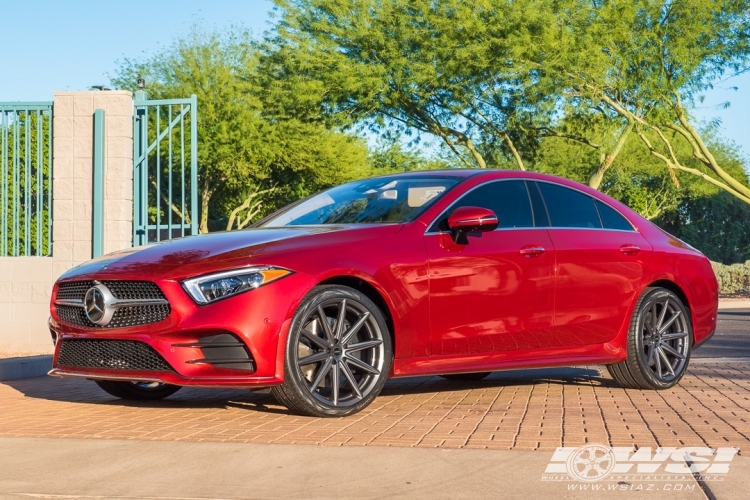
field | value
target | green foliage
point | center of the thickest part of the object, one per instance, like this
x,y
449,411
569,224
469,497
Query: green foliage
x,y
717,225
391,157
734,278
240,147
600,92
498,78
25,192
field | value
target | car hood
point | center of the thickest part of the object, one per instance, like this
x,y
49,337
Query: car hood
x,y
208,252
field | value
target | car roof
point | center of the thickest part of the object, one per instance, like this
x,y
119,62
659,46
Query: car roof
x,y
471,172
465,173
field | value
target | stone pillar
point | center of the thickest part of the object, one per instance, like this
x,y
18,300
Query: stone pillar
x,y
73,130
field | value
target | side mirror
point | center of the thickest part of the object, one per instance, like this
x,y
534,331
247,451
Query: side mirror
x,y
471,220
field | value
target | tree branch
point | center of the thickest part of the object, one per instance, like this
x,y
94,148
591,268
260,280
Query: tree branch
x,y
548,132
185,217
596,178
676,165
247,204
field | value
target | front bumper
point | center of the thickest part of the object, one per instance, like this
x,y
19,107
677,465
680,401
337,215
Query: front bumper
x,y
259,319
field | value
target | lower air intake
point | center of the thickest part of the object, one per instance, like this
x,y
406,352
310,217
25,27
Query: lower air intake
x,y
111,354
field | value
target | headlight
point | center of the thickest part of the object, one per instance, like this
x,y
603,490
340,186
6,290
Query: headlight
x,y
212,287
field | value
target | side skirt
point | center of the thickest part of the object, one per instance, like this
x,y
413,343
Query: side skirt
x,y
509,360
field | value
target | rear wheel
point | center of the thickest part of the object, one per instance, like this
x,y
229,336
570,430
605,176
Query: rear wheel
x,y
659,343
137,391
338,354
466,377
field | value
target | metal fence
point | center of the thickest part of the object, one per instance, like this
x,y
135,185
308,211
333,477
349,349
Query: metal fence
x,y
165,168
26,183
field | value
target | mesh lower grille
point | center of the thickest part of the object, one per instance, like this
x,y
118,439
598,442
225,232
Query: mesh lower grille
x,y
111,354
122,290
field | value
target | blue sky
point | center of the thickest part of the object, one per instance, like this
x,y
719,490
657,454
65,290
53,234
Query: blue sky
x,y
48,45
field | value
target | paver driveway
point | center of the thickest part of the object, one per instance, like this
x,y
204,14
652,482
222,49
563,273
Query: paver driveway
x,y
534,409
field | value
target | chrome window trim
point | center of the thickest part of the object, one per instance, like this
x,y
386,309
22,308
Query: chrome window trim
x,y
634,230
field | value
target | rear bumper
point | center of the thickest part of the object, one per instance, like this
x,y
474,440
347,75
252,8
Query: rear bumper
x,y
704,339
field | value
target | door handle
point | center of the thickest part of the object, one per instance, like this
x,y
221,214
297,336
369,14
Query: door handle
x,y
532,251
630,249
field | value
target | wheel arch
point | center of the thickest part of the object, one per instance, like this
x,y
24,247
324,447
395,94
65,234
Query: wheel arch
x,y
674,288
681,294
371,292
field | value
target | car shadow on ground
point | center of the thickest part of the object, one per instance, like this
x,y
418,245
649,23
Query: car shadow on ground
x,y
86,392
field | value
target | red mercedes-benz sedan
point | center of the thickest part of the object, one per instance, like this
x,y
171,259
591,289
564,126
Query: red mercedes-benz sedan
x,y
453,273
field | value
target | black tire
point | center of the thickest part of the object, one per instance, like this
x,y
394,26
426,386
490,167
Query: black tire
x,y
137,391
467,377
325,387
660,341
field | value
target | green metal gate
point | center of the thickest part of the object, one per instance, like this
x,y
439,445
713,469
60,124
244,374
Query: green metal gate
x,y
26,183
165,168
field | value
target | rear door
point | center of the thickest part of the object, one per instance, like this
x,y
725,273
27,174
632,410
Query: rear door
x,y
600,261
495,293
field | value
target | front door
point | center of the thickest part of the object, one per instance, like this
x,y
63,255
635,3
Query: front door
x,y
496,292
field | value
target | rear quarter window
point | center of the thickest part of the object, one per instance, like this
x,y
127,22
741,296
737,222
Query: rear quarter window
x,y
569,208
611,218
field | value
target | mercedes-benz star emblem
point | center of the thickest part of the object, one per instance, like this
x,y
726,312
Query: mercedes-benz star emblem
x,y
96,302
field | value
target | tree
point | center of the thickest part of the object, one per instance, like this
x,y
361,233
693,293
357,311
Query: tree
x,y
644,64
406,66
249,162
508,75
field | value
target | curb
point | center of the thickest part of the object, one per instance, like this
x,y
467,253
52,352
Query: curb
x,y
734,304
26,367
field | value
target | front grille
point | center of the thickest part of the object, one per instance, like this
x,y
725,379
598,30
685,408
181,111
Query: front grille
x,y
72,314
133,290
123,290
74,291
111,354
126,316
135,315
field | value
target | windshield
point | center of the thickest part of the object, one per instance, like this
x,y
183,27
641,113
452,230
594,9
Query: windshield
x,y
383,199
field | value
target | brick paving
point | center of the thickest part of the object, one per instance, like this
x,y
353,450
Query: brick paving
x,y
525,410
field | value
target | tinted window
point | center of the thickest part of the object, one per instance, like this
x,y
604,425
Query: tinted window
x,y
611,219
382,199
537,203
568,208
508,199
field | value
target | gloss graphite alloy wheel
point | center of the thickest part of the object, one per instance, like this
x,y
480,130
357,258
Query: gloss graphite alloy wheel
x,y
338,354
659,344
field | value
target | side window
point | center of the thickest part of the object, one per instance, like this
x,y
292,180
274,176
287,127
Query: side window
x,y
541,219
569,208
611,219
508,199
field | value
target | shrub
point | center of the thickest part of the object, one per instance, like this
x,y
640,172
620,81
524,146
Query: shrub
x,y
733,278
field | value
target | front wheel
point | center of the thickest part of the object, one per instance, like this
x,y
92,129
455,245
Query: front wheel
x,y
338,354
137,391
659,343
